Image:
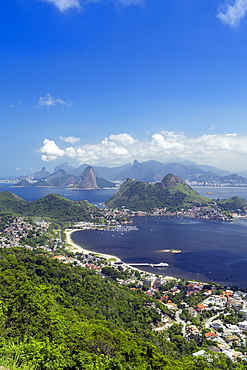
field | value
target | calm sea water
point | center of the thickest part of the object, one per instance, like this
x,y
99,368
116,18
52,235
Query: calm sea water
x,y
99,196
95,197
211,250
215,192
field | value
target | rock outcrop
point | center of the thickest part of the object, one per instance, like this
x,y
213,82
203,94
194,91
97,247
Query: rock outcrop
x,y
88,179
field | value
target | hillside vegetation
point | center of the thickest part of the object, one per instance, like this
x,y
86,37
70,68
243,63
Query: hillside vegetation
x,y
52,206
234,203
171,193
63,317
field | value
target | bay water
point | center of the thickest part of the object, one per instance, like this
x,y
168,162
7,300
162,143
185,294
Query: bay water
x,y
210,250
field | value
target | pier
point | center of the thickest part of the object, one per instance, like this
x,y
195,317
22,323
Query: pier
x,y
161,264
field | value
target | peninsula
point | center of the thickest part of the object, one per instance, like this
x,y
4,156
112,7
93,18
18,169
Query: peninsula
x,y
172,196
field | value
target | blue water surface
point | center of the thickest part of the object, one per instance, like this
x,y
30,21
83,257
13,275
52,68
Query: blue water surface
x,y
211,250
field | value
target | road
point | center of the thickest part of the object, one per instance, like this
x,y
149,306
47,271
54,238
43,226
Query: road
x,y
209,321
180,321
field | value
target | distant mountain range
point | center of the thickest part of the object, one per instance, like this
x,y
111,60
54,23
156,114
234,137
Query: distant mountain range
x,y
149,171
60,178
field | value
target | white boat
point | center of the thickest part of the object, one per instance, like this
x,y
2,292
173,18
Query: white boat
x,y
161,264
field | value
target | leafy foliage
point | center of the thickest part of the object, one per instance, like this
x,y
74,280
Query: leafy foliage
x,y
51,206
58,316
234,203
172,193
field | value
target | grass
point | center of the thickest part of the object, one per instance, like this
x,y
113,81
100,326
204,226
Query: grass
x,y
12,364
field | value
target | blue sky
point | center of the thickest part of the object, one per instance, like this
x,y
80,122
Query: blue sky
x,y
105,82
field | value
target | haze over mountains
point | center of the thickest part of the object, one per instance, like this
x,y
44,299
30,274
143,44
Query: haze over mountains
x,y
60,178
149,171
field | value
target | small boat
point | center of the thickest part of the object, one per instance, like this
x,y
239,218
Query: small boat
x,y
161,264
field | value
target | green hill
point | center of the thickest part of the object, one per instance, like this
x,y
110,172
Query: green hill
x,y
103,183
233,204
11,203
64,317
171,192
51,206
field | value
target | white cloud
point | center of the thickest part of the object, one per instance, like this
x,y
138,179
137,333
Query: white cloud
x,y
51,150
64,5
70,139
218,150
232,12
50,101
124,139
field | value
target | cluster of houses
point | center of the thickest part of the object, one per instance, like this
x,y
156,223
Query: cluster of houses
x,y
226,337
204,212
18,228
89,261
211,212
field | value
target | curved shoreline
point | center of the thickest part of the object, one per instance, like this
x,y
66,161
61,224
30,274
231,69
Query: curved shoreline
x,y
78,248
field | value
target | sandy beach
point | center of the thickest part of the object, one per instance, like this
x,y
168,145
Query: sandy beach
x,y
77,248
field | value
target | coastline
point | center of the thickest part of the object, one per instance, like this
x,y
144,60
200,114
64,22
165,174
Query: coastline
x,y
77,248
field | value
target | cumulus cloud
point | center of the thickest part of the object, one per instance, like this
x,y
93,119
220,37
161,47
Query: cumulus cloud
x,y
50,101
51,151
164,146
124,139
232,12
70,139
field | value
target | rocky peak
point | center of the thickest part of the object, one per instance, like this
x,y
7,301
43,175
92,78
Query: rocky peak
x,y
88,179
136,165
40,174
57,174
171,180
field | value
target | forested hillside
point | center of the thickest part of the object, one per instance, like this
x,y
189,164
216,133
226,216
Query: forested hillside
x,y
52,206
59,316
171,193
